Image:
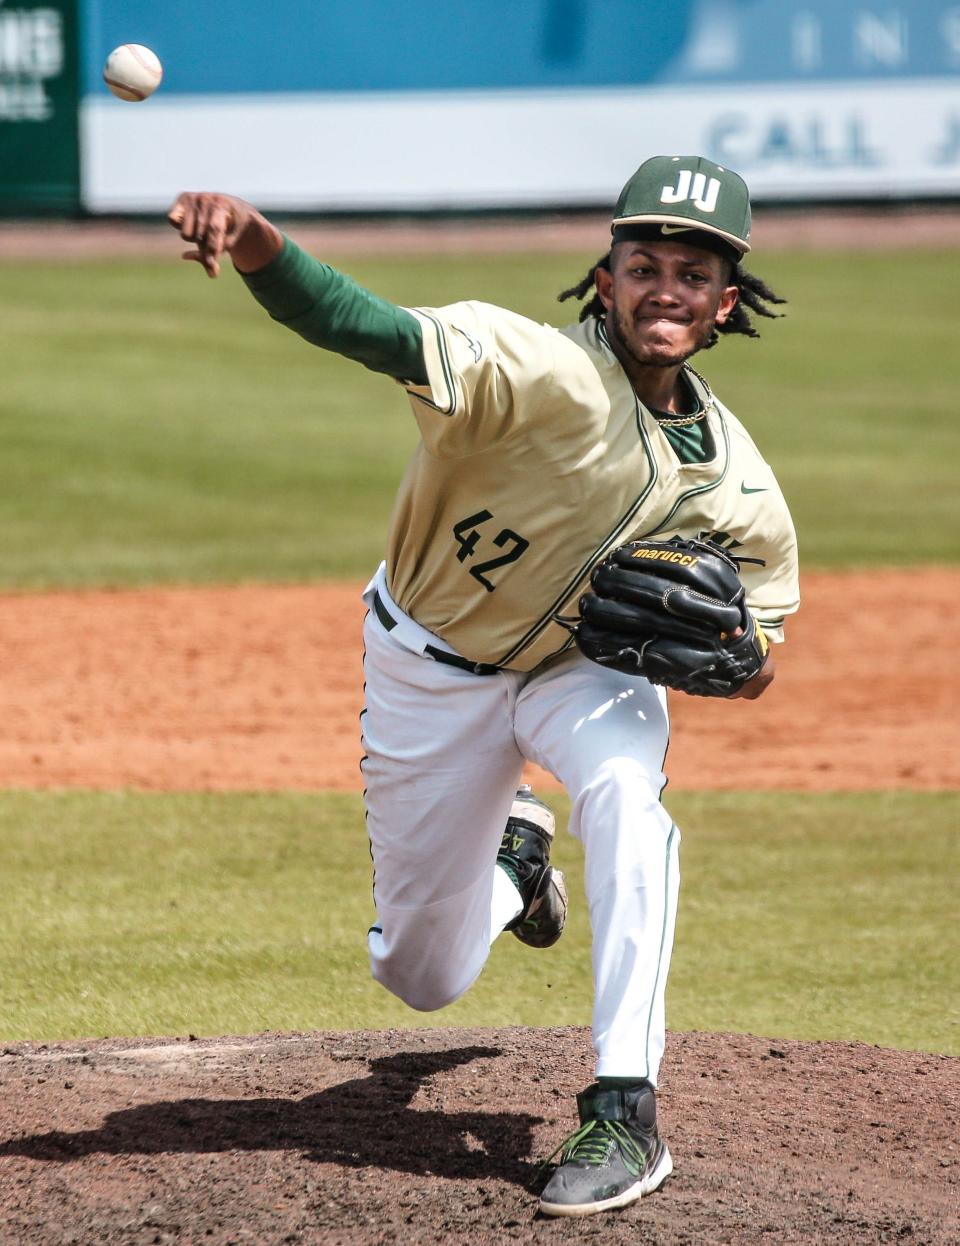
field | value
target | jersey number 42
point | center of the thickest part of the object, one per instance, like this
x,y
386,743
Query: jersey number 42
x,y
468,537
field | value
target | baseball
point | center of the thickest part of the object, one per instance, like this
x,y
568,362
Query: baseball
x,y
132,72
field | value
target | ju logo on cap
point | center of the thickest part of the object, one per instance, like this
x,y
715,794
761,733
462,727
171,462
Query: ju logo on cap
x,y
685,193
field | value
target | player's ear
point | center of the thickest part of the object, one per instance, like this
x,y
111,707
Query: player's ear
x,y
603,279
729,297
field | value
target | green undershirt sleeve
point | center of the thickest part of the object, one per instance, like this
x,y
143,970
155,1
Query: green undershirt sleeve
x,y
331,310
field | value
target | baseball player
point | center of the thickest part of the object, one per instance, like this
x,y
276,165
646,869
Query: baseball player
x,y
542,450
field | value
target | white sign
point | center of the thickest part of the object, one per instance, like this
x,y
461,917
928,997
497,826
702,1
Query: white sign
x,y
519,149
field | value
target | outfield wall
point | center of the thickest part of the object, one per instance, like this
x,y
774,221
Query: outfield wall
x,y
498,149
513,103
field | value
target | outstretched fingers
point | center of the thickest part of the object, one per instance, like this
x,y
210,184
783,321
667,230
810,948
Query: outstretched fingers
x,y
207,220
219,224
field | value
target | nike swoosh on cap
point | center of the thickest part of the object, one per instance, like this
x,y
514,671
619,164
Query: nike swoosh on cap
x,y
677,229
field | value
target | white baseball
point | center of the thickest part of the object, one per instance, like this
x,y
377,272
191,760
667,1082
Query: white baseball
x,y
132,72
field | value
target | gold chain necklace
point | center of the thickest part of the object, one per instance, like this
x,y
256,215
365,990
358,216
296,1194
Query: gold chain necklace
x,y
684,421
681,421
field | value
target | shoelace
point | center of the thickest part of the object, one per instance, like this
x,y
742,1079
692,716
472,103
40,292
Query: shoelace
x,y
592,1143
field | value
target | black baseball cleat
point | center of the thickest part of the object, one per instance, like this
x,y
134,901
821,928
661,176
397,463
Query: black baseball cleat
x,y
614,1158
525,855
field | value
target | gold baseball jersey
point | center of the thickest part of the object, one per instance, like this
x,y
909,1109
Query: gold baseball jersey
x,y
536,459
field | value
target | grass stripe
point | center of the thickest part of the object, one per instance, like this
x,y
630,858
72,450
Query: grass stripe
x,y
800,916
158,427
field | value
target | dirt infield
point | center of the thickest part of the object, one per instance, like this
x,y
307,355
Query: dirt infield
x,y
261,687
436,1137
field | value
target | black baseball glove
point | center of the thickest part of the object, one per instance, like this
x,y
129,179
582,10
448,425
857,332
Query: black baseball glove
x,y
669,610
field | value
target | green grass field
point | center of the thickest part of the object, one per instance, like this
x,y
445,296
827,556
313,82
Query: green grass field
x,y
159,428
812,917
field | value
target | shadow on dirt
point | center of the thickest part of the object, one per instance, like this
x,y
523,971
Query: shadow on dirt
x,y
364,1122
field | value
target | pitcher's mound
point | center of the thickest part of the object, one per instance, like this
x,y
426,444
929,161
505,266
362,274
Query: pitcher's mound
x,y
435,1136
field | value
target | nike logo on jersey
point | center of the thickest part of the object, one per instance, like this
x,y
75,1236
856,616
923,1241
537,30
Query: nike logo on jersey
x,y
744,489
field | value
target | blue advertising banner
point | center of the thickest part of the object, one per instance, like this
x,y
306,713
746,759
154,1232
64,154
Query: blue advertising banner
x,y
374,45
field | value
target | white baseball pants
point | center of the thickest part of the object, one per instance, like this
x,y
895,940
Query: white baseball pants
x,y
444,753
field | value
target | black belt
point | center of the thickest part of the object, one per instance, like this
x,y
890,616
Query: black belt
x,y
438,655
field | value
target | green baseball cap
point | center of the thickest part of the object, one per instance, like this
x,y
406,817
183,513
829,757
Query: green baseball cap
x,y
679,195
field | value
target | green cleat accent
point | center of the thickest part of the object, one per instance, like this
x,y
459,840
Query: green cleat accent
x,y
614,1158
525,856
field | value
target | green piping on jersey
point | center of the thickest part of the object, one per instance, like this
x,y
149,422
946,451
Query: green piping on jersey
x,y
614,538
444,363
610,542
691,493
663,938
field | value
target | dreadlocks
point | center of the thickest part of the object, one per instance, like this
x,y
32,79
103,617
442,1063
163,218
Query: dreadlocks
x,y
755,295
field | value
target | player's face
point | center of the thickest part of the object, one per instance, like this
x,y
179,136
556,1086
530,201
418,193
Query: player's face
x,y
664,299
